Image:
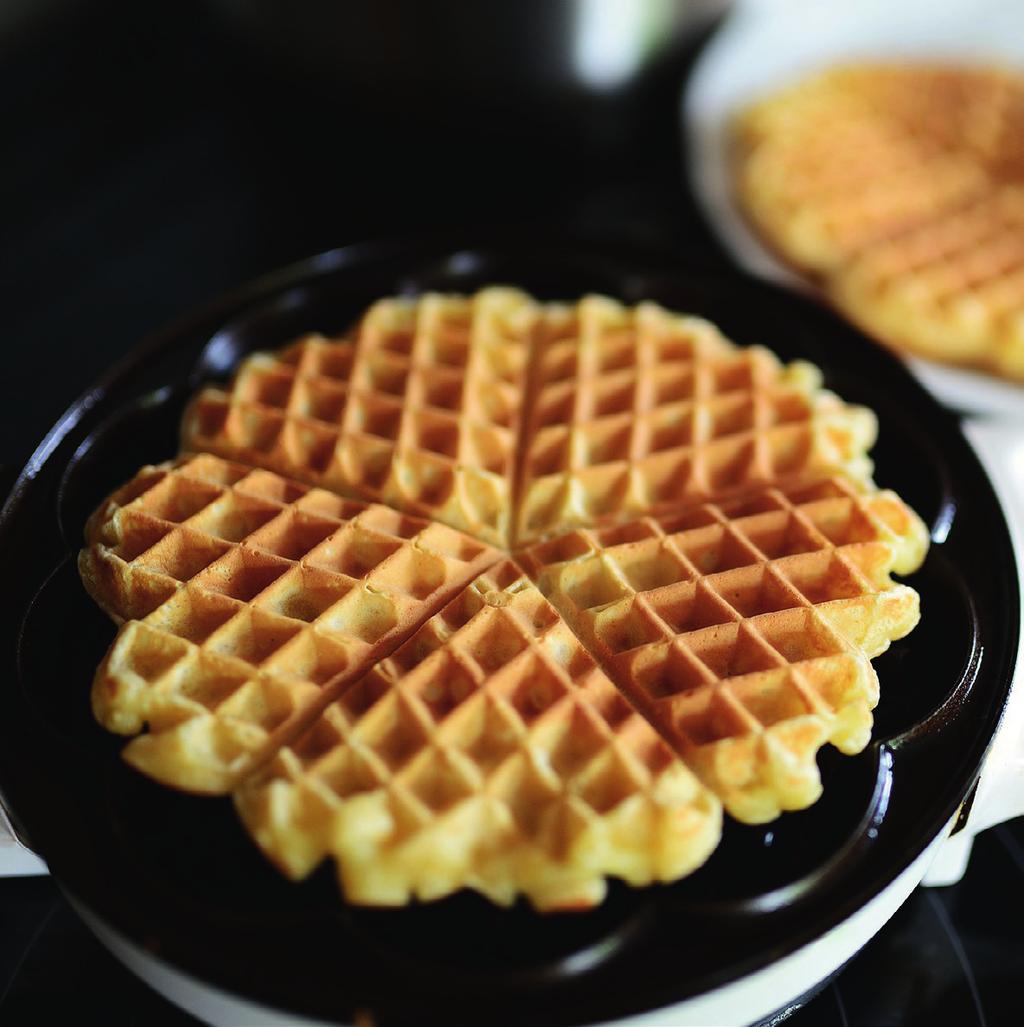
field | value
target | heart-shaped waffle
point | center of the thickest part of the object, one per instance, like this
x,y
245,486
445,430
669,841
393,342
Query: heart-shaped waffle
x,y
388,690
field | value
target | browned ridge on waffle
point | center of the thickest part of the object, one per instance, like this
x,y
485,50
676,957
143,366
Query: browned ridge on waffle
x,y
899,186
701,577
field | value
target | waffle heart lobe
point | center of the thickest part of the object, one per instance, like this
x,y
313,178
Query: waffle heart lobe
x,y
488,751
951,289
744,630
248,601
417,407
635,408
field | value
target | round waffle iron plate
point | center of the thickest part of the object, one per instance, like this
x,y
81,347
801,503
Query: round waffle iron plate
x,y
178,876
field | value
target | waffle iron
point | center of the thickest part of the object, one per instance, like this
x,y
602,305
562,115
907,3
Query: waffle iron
x,y
173,884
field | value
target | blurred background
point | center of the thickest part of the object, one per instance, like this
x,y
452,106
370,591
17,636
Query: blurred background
x,y
156,155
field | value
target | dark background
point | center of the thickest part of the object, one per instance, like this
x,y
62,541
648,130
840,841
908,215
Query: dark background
x,y
154,155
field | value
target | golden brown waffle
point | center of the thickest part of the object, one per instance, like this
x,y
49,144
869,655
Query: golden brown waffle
x,y
819,199
952,289
974,109
638,408
417,408
385,690
743,630
250,602
899,185
489,752
851,155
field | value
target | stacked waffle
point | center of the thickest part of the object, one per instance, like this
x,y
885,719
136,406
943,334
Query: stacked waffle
x,y
900,187
498,594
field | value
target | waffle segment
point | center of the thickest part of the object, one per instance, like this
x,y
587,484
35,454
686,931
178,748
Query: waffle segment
x,y
636,408
488,752
249,601
418,408
744,630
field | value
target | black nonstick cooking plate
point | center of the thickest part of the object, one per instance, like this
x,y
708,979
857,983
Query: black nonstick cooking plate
x,y
178,877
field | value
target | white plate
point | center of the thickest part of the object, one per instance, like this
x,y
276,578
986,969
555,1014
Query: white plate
x,y
765,44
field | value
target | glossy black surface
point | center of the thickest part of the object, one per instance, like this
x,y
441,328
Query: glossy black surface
x,y
177,873
951,957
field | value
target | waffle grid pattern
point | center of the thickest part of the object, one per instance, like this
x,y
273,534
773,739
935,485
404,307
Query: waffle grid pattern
x,y
419,408
820,199
951,288
493,725
900,186
638,409
744,631
251,600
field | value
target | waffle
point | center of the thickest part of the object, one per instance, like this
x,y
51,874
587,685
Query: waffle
x,y
390,692
249,602
951,289
854,154
818,200
489,752
899,187
743,631
417,408
637,408
974,109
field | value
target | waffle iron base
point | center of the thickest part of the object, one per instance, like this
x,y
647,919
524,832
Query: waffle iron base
x,y
175,875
